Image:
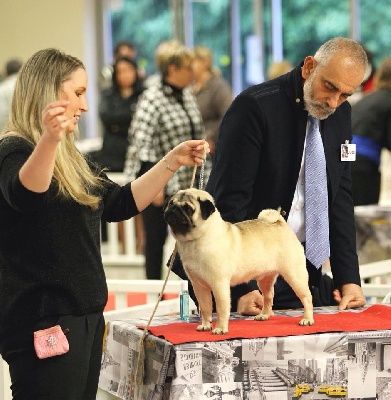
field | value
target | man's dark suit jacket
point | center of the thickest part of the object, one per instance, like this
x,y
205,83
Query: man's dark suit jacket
x,y
257,164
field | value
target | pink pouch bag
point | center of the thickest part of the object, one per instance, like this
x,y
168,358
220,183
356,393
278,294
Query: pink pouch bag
x,y
50,342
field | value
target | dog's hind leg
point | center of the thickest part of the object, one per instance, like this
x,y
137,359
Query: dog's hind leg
x,y
204,297
266,286
306,299
222,295
299,283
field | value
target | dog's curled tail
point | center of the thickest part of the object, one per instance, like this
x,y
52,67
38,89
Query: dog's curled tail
x,y
272,216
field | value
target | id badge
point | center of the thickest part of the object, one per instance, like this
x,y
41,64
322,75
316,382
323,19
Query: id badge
x,y
348,152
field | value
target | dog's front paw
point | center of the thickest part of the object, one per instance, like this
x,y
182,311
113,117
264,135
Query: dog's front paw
x,y
306,322
202,328
219,331
262,317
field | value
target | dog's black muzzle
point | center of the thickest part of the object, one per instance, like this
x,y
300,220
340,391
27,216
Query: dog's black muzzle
x,y
179,221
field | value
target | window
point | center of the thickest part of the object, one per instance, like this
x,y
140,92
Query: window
x,y
220,24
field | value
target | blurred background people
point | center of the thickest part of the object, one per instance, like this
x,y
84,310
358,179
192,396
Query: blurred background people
x,y
212,91
278,68
160,50
371,127
116,109
7,86
368,84
121,49
125,49
166,113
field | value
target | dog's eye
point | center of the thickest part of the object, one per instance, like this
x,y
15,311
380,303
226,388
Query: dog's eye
x,y
187,209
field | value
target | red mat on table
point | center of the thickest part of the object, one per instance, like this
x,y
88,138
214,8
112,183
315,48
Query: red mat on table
x,y
376,317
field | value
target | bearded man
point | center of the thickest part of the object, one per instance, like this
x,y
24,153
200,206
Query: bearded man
x,y
260,163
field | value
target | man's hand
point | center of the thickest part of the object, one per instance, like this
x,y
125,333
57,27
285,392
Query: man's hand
x,y
250,304
351,296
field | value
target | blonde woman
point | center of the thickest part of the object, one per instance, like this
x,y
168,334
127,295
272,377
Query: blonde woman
x,y
212,91
51,202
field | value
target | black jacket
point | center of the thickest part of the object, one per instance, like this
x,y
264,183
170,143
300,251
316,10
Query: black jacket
x,y
50,259
116,113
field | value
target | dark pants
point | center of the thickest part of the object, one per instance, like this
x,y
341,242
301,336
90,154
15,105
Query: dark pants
x,y
322,294
155,236
71,376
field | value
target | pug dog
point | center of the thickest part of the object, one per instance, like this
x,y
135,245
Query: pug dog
x,y
217,254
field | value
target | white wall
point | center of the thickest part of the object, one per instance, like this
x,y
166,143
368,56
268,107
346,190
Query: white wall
x,y
71,26
30,25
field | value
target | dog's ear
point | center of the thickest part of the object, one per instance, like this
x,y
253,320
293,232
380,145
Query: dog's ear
x,y
207,208
166,202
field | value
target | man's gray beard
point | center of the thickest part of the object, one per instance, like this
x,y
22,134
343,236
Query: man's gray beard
x,y
317,109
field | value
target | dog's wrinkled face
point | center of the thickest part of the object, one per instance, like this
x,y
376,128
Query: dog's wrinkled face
x,y
186,210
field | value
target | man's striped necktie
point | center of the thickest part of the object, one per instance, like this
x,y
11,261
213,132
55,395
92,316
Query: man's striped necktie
x,y
316,199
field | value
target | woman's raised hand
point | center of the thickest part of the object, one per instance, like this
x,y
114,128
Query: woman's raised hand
x,y
54,119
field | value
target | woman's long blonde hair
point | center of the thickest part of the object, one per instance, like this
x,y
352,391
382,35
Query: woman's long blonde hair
x,y
39,83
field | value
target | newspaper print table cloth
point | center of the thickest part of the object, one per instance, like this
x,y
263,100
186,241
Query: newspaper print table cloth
x,y
261,368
